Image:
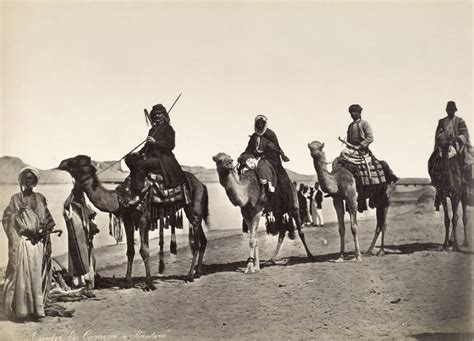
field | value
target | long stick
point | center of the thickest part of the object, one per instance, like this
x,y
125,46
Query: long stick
x,y
123,157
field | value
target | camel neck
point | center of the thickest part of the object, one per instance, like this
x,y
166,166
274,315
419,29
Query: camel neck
x,y
325,178
104,199
235,189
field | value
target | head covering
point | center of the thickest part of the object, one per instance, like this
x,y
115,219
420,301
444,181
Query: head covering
x,y
157,110
355,108
264,129
451,105
29,169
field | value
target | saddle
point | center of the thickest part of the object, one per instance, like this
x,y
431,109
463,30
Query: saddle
x,y
371,182
156,191
159,194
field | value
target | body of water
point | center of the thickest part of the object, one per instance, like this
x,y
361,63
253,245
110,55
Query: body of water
x,y
222,215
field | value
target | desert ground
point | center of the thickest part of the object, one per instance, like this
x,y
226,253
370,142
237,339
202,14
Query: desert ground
x,y
414,292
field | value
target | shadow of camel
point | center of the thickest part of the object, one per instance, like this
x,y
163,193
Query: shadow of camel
x,y
209,269
444,336
411,248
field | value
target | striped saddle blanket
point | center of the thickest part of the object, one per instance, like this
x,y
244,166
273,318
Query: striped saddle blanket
x,y
366,168
159,194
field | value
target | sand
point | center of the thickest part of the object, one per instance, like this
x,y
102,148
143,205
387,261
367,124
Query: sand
x,y
416,291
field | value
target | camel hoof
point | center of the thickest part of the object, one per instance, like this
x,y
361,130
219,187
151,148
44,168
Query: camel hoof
x,y
310,257
357,259
339,260
456,248
445,247
250,269
381,253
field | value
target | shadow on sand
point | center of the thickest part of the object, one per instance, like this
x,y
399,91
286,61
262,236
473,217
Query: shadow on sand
x,y
444,336
406,249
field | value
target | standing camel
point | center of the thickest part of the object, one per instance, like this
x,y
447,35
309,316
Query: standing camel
x,y
341,185
84,174
447,178
244,191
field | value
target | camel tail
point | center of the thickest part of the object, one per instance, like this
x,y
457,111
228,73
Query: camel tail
x,y
205,207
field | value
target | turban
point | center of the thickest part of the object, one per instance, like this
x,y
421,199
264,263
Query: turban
x,y
356,108
29,169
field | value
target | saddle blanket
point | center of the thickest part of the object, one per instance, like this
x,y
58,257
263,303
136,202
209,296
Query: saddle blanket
x,y
367,168
160,194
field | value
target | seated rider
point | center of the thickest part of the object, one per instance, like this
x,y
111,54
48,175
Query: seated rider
x,y
359,137
264,144
156,155
451,140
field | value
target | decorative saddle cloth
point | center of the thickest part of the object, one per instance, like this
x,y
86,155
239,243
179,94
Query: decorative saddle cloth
x,y
365,168
159,194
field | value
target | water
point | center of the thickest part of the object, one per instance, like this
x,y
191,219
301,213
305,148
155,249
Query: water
x,y
222,215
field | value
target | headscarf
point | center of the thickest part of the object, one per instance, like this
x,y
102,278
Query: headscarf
x,y
261,131
157,110
29,169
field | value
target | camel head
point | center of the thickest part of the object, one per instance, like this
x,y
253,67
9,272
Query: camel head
x,y
223,162
80,167
316,149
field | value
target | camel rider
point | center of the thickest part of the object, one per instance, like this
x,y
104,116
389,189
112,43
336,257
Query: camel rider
x,y
452,130
452,136
263,144
359,137
156,155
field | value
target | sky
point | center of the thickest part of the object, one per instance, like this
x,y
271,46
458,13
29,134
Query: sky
x,y
76,76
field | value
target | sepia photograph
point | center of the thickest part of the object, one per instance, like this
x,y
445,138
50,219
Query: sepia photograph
x,y
236,169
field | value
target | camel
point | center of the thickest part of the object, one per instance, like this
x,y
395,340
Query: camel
x,y
244,191
341,185
84,174
451,186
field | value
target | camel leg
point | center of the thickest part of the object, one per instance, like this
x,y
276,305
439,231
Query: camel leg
x,y
194,245
130,234
339,206
145,253
381,216
202,249
384,212
454,206
256,252
444,203
161,264
465,223
297,219
281,237
253,241
354,229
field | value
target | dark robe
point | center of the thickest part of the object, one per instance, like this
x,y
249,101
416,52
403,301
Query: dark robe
x,y
159,157
267,147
